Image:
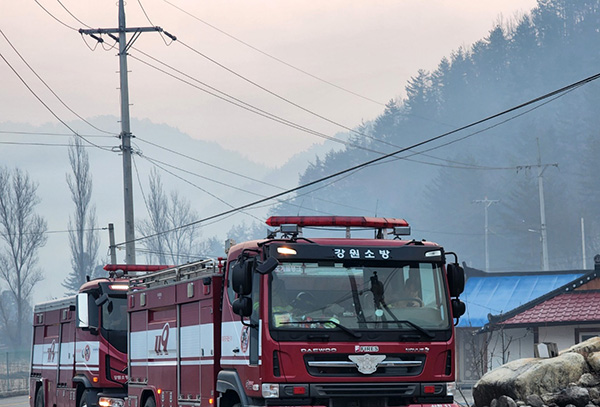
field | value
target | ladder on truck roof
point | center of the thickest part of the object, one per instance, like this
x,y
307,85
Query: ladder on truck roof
x,y
186,271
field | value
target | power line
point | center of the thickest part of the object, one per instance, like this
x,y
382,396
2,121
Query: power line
x,y
54,17
279,96
48,86
286,201
48,107
551,97
154,162
275,58
232,173
460,165
378,159
246,106
25,143
352,130
294,125
43,133
51,232
71,14
278,119
268,91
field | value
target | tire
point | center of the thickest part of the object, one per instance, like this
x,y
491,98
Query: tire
x,y
83,402
39,397
150,402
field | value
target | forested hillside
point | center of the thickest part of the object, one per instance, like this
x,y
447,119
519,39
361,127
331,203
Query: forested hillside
x,y
435,189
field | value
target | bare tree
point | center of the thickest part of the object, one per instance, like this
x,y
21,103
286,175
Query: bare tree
x,y
83,237
22,233
167,243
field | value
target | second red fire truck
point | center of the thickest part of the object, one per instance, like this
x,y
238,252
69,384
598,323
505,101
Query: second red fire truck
x,y
285,321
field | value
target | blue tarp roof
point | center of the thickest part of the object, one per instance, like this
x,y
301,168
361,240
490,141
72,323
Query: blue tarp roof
x,y
499,294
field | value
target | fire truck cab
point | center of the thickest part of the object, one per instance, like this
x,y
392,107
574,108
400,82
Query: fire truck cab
x,y
291,320
79,348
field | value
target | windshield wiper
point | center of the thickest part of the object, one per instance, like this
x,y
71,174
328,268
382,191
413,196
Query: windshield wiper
x,y
407,322
327,321
355,298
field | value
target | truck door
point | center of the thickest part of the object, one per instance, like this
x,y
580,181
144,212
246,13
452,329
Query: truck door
x,y
66,359
190,335
50,354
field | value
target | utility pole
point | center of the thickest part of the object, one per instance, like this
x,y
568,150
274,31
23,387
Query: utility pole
x,y
486,204
125,135
112,247
543,235
583,255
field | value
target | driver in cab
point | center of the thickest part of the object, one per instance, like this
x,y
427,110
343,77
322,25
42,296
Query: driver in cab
x,y
408,297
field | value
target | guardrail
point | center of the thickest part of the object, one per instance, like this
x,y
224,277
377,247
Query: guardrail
x,y
14,372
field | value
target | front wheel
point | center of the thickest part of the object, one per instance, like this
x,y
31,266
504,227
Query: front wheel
x,y
39,397
84,399
150,402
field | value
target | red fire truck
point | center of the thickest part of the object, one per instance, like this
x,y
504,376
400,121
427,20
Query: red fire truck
x,y
73,360
291,320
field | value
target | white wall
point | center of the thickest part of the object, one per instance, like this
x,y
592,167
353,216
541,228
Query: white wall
x,y
564,336
516,342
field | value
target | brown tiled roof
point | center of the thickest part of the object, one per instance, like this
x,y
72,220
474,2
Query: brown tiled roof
x,y
574,306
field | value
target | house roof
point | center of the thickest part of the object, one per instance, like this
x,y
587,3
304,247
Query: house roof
x,y
498,293
574,306
575,297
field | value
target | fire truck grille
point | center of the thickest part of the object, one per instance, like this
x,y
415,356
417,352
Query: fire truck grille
x,y
359,390
339,365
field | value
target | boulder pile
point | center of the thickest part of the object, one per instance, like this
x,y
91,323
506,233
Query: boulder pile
x,y
571,379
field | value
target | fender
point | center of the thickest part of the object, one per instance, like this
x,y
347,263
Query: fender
x,y
230,380
83,380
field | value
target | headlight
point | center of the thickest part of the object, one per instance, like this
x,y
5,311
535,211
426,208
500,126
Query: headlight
x,y
270,390
450,388
111,402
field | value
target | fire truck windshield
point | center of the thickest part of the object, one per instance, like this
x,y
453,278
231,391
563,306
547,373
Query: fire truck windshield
x,y
114,322
405,296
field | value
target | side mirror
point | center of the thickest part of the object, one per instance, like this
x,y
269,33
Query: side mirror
x,y
87,312
83,317
241,276
242,306
458,308
268,266
456,279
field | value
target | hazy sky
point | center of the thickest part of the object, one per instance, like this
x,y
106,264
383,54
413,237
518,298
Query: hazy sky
x,y
368,47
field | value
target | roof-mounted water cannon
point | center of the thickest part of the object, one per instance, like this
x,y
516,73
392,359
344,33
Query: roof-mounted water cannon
x,y
400,231
118,273
290,230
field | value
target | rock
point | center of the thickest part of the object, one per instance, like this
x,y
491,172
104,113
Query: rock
x,y
505,401
534,400
588,380
594,394
593,360
572,395
524,377
585,348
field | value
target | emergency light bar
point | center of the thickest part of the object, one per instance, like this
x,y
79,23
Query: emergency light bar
x,y
338,221
128,268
